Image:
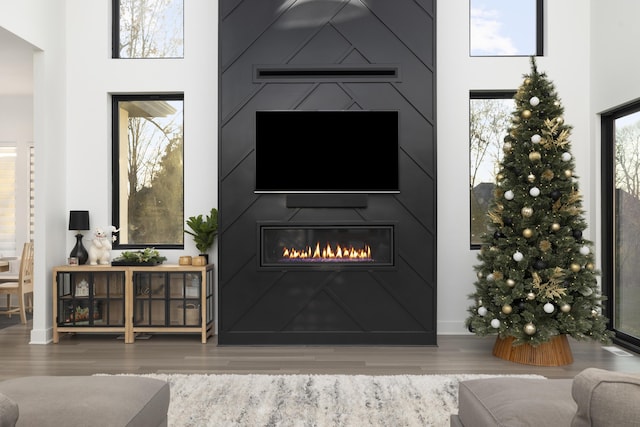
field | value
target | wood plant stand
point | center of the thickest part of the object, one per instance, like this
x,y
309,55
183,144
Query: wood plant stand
x,y
555,352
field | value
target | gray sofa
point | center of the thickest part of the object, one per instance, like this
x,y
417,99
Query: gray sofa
x,y
595,397
110,401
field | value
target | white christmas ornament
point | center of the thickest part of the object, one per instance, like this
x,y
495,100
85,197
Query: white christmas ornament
x,y
508,195
490,277
536,138
495,323
482,311
548,308
534,101
565,157
518,256
584,250
535,191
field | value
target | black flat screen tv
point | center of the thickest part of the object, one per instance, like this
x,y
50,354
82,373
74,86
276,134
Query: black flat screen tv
x,y
337,151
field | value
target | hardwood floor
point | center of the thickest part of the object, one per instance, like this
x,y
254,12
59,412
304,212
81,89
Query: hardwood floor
x,y
84,354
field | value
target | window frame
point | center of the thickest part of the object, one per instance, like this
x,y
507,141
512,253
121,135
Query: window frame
x,y
608,209
115,165
483,94
539,36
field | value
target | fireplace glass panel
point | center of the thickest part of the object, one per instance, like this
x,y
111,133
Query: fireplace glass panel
x,y
314,246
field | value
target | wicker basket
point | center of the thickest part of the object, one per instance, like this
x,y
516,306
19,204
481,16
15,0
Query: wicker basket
x,y
191,313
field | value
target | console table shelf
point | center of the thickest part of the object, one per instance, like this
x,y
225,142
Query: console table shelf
x,y
129,300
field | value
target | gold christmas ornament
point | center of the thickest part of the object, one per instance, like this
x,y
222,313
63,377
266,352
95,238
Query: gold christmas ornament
x,y
565,308
548,175
526,114
534,156
529,329
559,120
479,274
507,309
531,177
499,177
575,267
511,283
555,226
544,245
527,81
527,232
568,173
507,147
590,266
531,296
526,211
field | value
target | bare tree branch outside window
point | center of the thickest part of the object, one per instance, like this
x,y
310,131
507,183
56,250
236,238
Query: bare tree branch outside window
x,y
489,119
149,29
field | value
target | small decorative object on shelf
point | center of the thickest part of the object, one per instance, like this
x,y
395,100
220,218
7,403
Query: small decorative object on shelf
x,y
82,289
146,257
204,231
100,249
79,221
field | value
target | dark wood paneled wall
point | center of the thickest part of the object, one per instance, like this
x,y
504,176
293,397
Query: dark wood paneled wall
x,y
341,305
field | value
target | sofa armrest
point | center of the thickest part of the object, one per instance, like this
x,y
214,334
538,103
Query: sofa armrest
x,y
606,398
8,411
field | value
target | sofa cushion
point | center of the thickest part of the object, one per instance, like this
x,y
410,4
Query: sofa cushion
x,y
8,411
606,398
89,400
515,402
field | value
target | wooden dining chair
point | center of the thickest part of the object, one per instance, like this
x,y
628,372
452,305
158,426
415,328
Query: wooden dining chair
x,y
22,288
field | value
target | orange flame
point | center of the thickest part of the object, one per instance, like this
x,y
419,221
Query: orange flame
x,y
328,253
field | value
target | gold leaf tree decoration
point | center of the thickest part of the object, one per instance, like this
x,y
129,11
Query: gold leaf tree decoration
x,y
547,285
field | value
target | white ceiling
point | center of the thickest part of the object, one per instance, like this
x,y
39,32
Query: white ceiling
x,y
16,65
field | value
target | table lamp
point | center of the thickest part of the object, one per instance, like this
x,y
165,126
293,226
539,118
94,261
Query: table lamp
x,y
79,221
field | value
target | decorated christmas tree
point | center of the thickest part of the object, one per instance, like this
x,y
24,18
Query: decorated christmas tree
x,y
536,279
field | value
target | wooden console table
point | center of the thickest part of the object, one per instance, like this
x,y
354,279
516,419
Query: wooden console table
x,y
130,300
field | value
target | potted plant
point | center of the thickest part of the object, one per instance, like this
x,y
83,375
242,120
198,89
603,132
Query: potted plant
x,y
204,231
146,257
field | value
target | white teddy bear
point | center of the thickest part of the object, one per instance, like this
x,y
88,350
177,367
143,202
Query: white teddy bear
x,y
100,249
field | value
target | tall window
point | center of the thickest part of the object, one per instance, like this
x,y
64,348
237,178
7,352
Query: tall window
x,y
8,154
148,28
489,118
505,27
148,191
621,207
16,197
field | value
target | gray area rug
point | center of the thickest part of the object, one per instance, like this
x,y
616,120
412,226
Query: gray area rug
x,y
313,400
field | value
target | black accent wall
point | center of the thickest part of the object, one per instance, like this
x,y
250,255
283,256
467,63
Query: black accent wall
x,y
327,55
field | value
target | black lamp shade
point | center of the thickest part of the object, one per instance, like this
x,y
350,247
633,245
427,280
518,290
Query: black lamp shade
x,y
78,220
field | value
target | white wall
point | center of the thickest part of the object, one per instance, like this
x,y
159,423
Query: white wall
x,y
93,75
74,75
41,24
615,67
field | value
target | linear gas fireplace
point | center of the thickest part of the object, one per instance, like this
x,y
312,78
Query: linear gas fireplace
x,y
326,246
